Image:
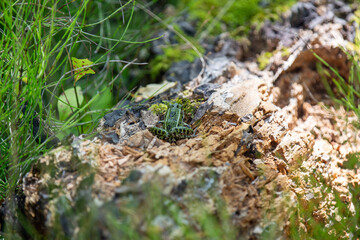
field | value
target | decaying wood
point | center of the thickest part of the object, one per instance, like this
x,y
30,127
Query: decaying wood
x,y
264,129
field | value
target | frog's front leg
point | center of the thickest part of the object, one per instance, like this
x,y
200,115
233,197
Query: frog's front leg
x,y
159,132
181,132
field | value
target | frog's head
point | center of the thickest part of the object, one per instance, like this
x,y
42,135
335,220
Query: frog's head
x,y
176,105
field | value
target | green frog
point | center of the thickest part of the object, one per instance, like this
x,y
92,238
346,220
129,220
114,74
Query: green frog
x,y
173,127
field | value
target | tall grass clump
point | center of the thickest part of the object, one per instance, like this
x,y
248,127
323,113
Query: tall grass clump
x,y
346,91
42,97
29,58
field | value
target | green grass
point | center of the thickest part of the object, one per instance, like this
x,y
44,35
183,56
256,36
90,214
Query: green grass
x,y
38,40
29,59
345,93
341,221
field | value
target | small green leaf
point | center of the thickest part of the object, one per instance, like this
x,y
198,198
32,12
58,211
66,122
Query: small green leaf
x,y
82,64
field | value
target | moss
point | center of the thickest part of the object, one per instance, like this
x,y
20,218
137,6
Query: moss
x,y
175,53
237,19
264,58
162,63
158,109
189,106
239,15
285,52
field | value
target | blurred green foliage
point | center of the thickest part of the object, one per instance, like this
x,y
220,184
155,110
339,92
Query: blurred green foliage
x,y
234,16
172,54
213,18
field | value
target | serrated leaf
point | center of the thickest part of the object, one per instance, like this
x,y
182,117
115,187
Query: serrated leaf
x,y
80,67
68,101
